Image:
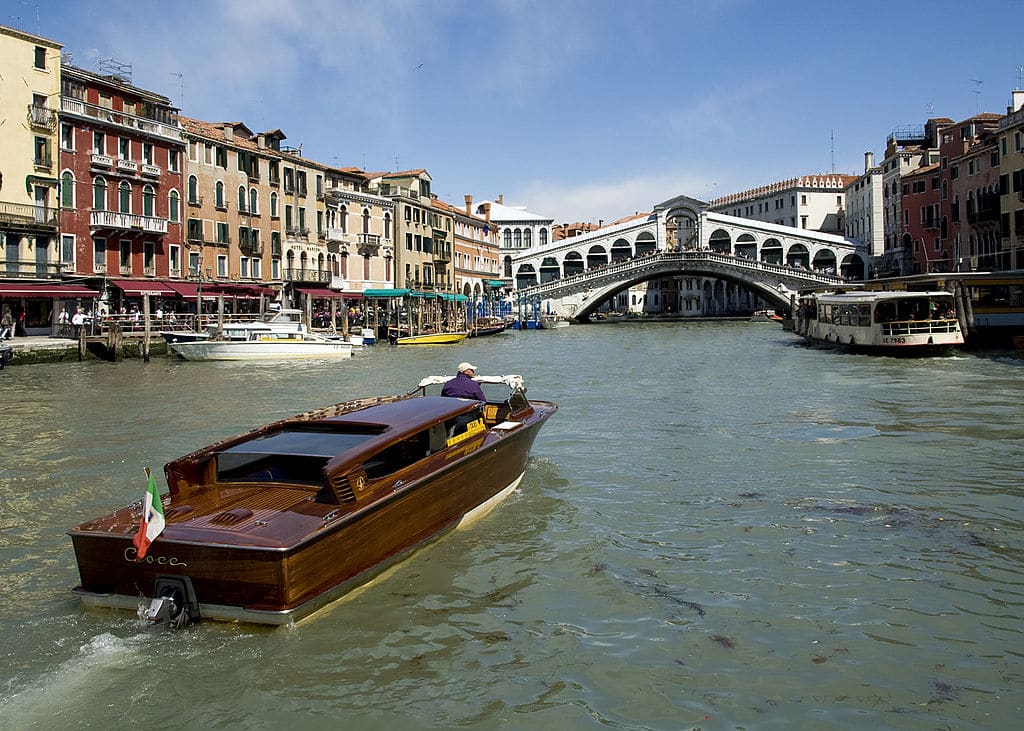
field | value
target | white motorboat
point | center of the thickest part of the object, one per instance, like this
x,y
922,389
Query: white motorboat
x,y
276,322
264,346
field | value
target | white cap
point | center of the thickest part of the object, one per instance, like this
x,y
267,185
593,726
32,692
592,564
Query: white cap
x,y
464,366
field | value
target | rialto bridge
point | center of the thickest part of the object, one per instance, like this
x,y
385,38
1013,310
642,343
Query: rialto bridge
x,y
681,237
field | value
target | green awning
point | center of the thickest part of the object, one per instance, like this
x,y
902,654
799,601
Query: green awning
x,y
453,297
494,283
385,292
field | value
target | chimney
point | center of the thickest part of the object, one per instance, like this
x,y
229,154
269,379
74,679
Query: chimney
x,y
487,211
469,204
501,199
869,161
261,141
228,131
600,223
1016,101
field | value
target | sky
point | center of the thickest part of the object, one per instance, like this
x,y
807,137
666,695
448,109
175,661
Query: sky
x,y
579,110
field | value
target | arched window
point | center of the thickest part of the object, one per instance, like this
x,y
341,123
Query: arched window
x,y
219,195
343,219
173,211
193,189
241,198
518,237
124,197
366,220
254,201
273,205
148,200
528,238
543,237
67,190
508,239
99,194
387,225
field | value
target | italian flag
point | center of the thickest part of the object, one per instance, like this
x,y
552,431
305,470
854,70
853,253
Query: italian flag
x,y
152,519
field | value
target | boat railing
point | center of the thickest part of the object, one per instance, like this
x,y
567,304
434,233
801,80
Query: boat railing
x,y
919,327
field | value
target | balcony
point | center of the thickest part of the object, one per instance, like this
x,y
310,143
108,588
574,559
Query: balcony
x,y
368,244
28,269
128,222
101,161
43,164
42,118
168,130
337,235
150,171
28,216
196,201
297,233
127,166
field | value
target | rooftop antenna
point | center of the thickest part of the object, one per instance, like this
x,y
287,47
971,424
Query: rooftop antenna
x,y
977,94
396,163
36,7
181,88
1020,77
832,148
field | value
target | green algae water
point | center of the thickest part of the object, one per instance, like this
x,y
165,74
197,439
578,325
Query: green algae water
x,y
720,529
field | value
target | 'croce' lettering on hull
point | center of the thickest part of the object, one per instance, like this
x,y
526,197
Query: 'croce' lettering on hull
x,y
130,553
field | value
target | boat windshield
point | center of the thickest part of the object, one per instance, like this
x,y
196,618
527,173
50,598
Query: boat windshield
x,y
914,308
290,455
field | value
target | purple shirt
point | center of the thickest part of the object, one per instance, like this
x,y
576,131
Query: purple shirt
x,y
462,386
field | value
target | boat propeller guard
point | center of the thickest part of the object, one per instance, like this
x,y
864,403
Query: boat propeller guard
x,y
173,605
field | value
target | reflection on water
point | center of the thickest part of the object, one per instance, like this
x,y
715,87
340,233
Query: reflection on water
x,y
718,529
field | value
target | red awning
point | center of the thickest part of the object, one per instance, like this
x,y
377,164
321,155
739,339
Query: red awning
x,y
190,290
139,287
69,291
328,294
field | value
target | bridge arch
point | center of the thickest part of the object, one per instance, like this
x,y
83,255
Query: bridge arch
x,y
526,276
771,251
596,257
825,261
549,269
798,256
720,241
645,243
853,267
573,264
746,246
621,250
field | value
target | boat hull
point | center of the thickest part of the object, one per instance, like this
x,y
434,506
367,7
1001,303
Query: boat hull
x,y
279,585
432,339
261,349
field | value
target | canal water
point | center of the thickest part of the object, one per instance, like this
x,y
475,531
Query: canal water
x,y
720,529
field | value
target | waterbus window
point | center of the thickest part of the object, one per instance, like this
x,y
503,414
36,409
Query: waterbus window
x,y
885,312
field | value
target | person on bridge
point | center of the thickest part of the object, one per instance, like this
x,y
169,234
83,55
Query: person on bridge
x,y
463,385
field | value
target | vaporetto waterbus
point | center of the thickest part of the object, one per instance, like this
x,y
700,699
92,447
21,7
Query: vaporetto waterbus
x,y
888,323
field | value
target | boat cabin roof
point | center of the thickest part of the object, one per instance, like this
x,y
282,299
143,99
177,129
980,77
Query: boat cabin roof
x,y
876,296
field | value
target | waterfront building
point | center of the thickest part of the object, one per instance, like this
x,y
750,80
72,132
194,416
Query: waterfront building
x,y
305,253
810,201
908,148
359,230
233,204
423,234
920,201
864,210
518,231
121,182
1010,139
969,236
475,253
30,74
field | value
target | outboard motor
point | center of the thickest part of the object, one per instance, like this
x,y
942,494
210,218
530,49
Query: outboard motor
x,y
173,605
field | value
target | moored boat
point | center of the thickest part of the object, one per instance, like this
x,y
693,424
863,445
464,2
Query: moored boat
x,y
445,338
766,316
484,326
264,346
888,323
273,524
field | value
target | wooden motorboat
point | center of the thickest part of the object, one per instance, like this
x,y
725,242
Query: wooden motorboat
x,y
264,346
447,338
273,524
487,326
